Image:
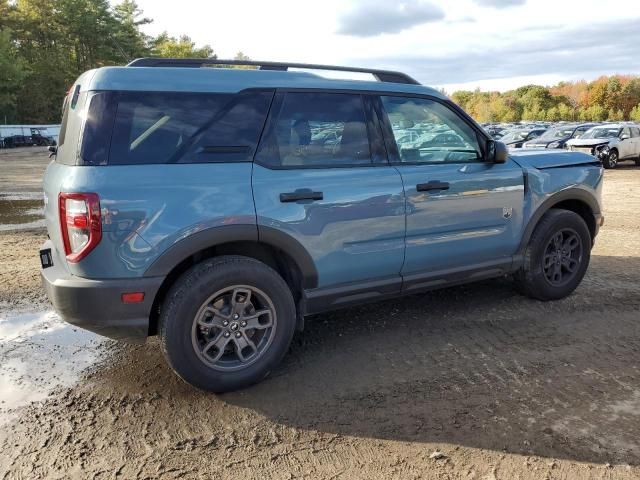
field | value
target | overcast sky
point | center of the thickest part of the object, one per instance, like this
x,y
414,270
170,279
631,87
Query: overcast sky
x,y
491,44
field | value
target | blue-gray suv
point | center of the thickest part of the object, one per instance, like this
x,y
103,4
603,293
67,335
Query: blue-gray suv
x,y
218,206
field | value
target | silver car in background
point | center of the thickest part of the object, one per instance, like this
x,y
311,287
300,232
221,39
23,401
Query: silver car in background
x,y
611,143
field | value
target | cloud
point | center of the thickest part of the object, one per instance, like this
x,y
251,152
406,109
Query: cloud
x,y
570,52
500,3
368,18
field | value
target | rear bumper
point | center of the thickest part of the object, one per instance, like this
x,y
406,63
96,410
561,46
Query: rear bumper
x,y
96,305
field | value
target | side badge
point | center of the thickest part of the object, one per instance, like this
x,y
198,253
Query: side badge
x,y
507,212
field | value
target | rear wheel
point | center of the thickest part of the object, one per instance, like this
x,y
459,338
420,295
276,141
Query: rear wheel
x,y
227,323
611,160
557,256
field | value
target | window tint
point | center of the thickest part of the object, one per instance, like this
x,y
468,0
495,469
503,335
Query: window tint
x,y
65,119
96,135
428,132
316,129
161,127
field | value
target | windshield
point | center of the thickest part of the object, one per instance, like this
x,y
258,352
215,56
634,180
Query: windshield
x,y
515,136
602,132
558,133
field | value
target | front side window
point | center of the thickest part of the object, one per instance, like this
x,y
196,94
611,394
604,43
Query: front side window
x,y
626,133
316,130
426,131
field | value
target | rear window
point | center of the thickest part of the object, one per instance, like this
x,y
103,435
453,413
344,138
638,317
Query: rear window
x,y
130,128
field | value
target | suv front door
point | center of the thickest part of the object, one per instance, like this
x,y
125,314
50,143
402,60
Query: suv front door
x,y
625,146
321,178
463,214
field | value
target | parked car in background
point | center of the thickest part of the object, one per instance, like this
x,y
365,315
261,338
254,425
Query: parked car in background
x,y
28,135
496,132
516,138
611,143
557,137
217,207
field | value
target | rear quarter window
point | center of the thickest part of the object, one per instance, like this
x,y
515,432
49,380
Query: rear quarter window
x,y
163,127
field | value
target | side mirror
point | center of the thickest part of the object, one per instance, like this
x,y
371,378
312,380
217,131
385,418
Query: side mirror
x,y
53,150
497,152
624,137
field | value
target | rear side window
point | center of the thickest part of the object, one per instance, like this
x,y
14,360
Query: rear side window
x,y
316,130
172,127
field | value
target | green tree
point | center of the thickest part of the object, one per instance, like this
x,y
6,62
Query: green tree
x,y
13,72
635,113
615,115
130,41
182,47
565,112
553,114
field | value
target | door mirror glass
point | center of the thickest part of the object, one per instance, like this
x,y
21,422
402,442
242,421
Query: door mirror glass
x,y
497,152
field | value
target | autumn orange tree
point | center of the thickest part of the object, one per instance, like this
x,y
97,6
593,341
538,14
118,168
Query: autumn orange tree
x,y
612,98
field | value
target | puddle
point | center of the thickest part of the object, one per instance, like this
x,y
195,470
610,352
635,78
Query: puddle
x,y
39,353
20,211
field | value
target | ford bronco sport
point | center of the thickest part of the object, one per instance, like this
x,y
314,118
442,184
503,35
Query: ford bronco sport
x,y
217,207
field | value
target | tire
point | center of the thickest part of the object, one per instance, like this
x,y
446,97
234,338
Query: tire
x,y
186,332
533,279
611,161
637,162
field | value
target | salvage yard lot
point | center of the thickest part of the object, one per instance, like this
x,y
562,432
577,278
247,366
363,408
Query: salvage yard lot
x,y
504,386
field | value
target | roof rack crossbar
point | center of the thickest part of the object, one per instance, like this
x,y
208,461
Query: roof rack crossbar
x,y
380,75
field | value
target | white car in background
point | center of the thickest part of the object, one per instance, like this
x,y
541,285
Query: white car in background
x,y
611,143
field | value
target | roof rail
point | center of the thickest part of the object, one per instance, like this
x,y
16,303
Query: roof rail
x,y
380,75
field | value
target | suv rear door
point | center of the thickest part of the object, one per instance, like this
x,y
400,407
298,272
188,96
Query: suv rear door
x,y
635,137
463,213
321,179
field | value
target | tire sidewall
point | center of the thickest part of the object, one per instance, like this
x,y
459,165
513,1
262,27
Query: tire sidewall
x,y
559,221
186,298
607,163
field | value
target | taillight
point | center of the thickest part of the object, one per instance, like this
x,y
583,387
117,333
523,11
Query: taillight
x,y
80,223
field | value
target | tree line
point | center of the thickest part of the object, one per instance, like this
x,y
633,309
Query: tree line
x,y
613,98
46,44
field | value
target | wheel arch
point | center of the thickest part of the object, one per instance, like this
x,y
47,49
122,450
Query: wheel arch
x,y
270,246
576,200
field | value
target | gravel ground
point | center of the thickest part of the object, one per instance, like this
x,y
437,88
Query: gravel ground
x,y
473,382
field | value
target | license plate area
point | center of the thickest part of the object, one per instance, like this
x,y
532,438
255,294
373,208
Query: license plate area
x,y
46,259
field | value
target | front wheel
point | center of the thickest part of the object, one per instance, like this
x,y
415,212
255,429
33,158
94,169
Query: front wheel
x,y
611,160
557,256
226,323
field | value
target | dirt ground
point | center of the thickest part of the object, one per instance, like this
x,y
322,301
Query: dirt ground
x,y
502,386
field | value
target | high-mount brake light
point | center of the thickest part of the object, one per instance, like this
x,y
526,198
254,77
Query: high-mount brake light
x,y
80,223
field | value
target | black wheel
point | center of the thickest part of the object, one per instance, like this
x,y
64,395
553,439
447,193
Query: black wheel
x,y
611,160
637,162
226,323
557,256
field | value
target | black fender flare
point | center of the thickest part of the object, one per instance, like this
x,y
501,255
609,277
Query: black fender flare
x,y
573,193
214,236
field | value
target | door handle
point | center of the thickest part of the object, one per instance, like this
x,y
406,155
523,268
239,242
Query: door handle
x,y
433,185
300,195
